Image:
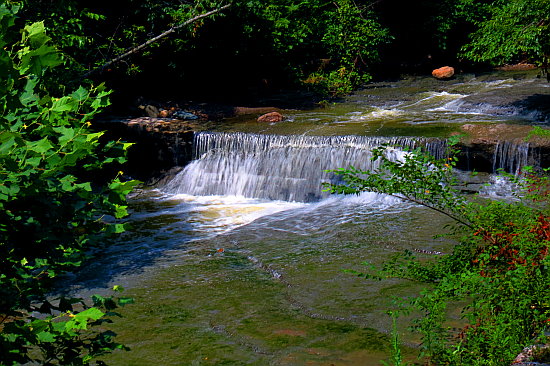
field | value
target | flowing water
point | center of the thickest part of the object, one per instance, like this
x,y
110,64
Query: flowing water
x,y
419,106
240,259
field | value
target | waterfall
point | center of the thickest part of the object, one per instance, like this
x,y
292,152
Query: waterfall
x,y
276,167
510,156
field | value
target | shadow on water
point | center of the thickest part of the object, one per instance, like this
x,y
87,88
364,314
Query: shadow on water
x,y
155,226
539,104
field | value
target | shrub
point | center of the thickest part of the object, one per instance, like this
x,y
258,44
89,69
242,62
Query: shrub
x,y
51,211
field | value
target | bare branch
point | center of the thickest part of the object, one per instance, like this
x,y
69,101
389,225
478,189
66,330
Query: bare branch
x,y
153,40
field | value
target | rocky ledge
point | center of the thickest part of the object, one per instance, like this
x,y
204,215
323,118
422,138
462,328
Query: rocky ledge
x,y
160,143
481,143
536,355
165,143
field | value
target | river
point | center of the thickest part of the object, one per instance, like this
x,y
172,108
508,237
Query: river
x,y
241,258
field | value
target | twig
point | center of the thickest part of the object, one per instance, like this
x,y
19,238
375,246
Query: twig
x,y
414,200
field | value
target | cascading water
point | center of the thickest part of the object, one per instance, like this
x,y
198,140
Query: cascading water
x,y
274,167
511,156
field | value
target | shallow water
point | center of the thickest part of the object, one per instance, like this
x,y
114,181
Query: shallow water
x,y
270,292
251,272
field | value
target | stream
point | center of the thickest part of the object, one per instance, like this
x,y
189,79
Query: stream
x,y
240,259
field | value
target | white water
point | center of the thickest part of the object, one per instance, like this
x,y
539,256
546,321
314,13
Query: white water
x,y
274,167
510,157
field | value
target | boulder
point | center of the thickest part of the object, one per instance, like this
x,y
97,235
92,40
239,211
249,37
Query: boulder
x,y
184,115
444,72
271,117
150,110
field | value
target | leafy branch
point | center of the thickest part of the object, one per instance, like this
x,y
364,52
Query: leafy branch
x,y
414,177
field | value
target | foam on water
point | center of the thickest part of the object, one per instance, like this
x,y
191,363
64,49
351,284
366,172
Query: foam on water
x,y
436,98
500,187
219,214
377,113
213,215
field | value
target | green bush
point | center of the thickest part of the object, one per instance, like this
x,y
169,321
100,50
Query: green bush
x,y
344,34
511,31
51,210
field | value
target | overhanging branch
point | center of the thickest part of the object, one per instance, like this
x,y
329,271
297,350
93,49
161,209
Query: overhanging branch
x,y
153,40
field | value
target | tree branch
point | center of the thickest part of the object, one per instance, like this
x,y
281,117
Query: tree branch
x,y
153,40
420,202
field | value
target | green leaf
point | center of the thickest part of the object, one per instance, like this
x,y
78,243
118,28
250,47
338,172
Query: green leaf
x,y
40,146
94,136
80,94
28,96
120,211
7,141
91,313
119,228
36,34
46,337
64,104
39,60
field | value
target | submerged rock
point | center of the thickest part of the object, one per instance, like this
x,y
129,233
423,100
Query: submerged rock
x,y
444,72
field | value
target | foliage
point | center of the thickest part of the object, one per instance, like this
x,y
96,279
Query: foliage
x,y
512,31
538,131
413,176
497,275
331,47
90,33
299,34
52,200
69,333
352,39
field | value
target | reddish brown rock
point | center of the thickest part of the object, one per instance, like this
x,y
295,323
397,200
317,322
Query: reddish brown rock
x,y
164,113
444,72
271,117
502,132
